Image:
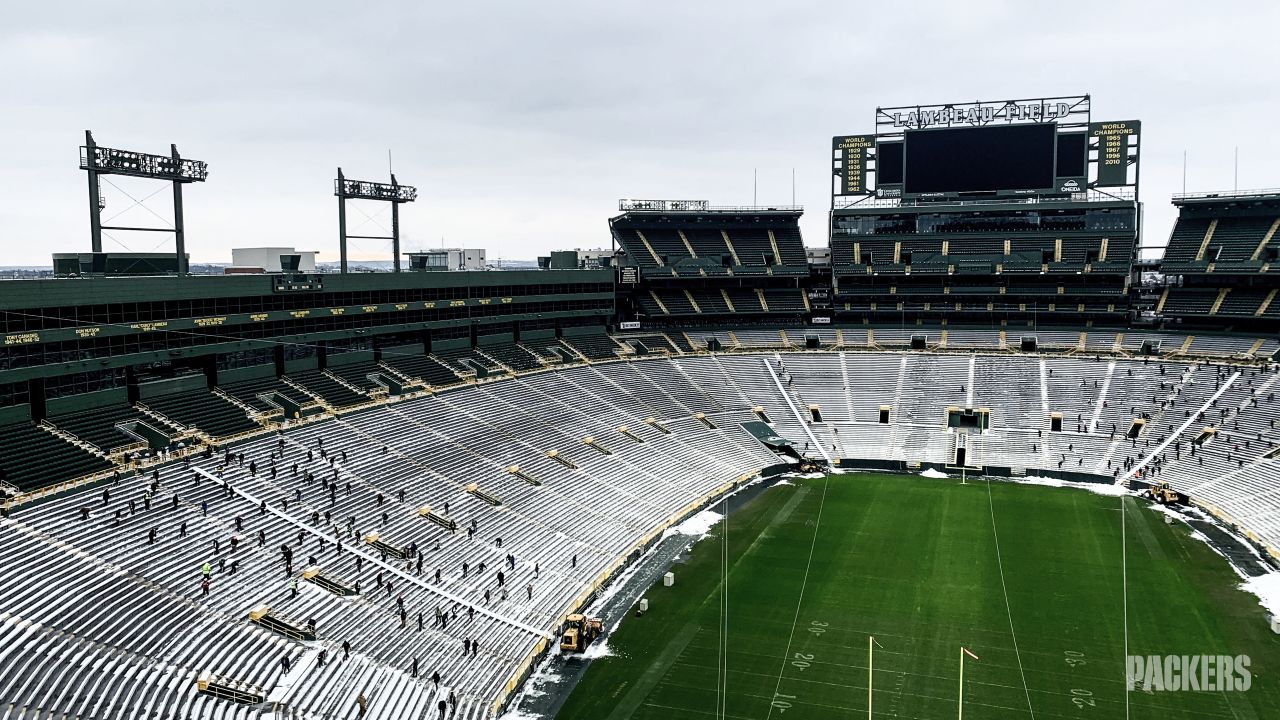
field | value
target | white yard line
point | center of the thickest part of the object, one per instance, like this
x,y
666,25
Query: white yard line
x,y
786,655
1008,609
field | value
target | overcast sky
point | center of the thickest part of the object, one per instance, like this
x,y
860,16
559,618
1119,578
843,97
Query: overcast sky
x,y
523,123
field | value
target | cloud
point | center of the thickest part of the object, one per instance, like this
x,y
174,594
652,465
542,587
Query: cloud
x,y
523,123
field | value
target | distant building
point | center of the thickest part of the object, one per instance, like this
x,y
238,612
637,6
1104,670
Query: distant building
x,y
576,260
274,259
447,259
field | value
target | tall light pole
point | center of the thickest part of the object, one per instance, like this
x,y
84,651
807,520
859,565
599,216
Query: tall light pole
x,y
97,161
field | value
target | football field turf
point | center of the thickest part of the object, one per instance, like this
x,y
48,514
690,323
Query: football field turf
x,y
1029,578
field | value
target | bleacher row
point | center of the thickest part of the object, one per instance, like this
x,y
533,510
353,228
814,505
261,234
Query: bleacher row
x,y
1226,244
392,462
34,457
1219,262
496,477
763,244
887,307
86,437
977,255
1240,302
1098,399
949,338
673,301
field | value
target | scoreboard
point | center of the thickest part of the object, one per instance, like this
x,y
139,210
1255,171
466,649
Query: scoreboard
x,y
1041,147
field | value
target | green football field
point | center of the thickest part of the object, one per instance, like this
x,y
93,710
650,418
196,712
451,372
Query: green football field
x,y
1030,578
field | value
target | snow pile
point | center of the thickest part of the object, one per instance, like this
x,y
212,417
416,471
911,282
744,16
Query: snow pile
x,y
615,586
697,525
532,688
780,483
931,473
1109,489
533,693
516,714
1181,514
1267,589
598,649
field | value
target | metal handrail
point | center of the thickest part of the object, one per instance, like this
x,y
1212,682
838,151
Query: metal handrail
x,y
697,206
1114,194
1226,194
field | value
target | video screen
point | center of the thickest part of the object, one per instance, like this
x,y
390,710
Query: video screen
x,y
889,163
957,160
1072,150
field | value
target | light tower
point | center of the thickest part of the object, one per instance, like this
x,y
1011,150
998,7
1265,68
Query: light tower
x,y
96,161
392,192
